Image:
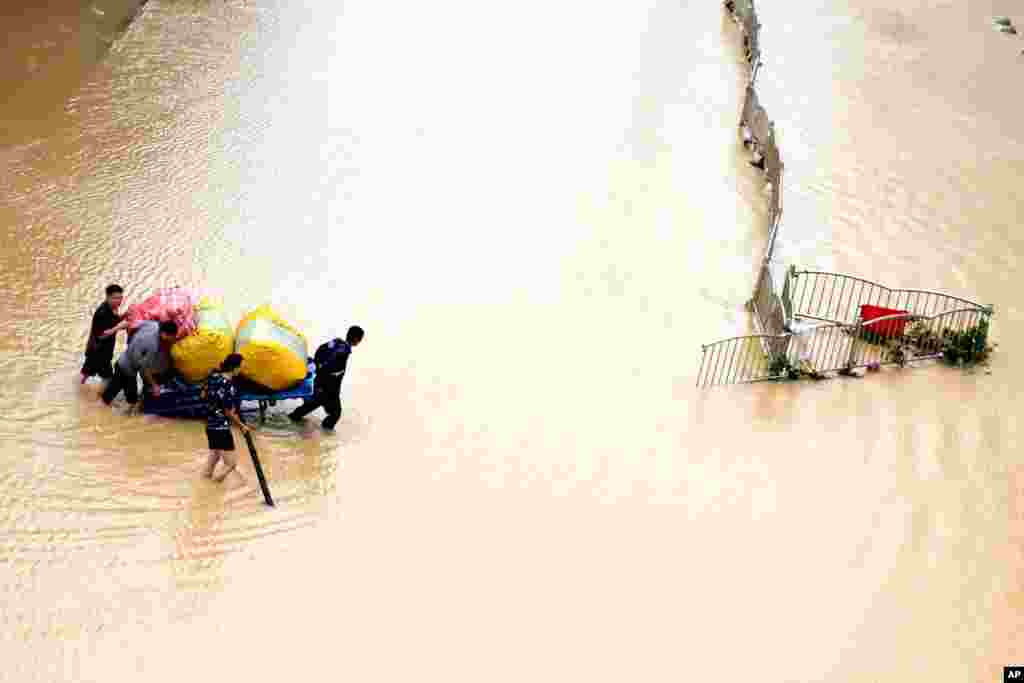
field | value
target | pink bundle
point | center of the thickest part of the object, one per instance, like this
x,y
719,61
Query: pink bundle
x,y
174,303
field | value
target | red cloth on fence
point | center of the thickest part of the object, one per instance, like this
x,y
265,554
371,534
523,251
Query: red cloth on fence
x,y
885,328
174,303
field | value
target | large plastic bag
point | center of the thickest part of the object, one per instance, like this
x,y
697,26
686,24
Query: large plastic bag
x,y
202,352
274,353
172,303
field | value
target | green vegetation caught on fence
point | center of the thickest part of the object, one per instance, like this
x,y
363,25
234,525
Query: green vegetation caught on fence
x,y
961,348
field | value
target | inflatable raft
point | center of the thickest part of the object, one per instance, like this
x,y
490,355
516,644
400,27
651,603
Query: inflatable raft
x,y
181,399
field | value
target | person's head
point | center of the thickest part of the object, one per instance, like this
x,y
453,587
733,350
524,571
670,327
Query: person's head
x,y
232,364
168,331
115,296
354,335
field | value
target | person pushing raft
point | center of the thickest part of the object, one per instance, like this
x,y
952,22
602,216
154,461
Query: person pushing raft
x,y
222,401
148,354
106,323
331,360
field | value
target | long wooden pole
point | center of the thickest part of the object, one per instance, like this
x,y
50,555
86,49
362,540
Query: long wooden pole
x,y
259,469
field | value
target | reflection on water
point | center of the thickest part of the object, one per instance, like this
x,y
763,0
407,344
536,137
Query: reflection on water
x,y
538,212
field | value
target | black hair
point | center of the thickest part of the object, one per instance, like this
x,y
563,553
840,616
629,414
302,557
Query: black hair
x,y
232,362
168,327
114,289
354,335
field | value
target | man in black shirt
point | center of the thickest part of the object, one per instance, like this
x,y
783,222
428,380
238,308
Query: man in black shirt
x,y
331,360
99,350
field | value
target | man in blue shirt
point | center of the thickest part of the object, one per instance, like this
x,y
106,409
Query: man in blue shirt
x,y
331,360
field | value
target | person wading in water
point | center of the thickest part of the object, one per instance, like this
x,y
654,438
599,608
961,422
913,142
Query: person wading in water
x,y
148,353
331,360
106,323
222,401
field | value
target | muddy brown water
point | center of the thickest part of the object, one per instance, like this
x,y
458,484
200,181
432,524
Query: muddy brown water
x,y
538,212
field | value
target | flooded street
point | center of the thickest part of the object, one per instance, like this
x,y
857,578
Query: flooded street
x,y
538,212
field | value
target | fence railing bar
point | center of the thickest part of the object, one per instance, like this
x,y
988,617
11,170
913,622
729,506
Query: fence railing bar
x,y
968,302
736,351
831,293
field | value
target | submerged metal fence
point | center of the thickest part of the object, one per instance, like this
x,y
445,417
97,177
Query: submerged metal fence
x,y
835,347
757,132
831,347
837,297
766,305
741,359
932,321
746,16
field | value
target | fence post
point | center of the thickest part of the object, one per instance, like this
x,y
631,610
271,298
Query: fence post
x,y
750,305
855,335
703,357
787,303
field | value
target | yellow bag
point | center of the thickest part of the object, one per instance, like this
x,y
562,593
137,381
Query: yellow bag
x,y
273,352
202,352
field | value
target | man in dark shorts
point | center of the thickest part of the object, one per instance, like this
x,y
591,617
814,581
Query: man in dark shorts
x,y
331,360
148,353
222,402
99,350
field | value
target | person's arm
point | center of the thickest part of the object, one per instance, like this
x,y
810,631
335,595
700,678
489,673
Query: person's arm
x,y
234,417
151,380
123,325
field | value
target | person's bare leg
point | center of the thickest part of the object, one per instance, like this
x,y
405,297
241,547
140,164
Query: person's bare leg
x,y
232,462
211,462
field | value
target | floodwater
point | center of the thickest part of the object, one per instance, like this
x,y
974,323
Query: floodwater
x,y
538,211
